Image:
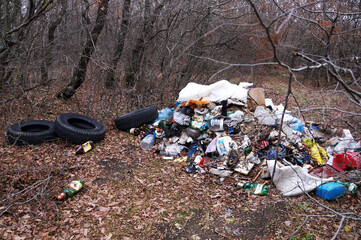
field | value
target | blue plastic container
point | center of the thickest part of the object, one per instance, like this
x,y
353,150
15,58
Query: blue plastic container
x,y
330,191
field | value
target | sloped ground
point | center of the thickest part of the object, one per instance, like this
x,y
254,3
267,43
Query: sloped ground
x,y
133,194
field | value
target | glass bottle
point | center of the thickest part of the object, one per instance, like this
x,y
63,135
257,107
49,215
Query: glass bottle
x,y
74,187
85,147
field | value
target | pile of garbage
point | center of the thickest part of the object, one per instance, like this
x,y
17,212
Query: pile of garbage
x,y
233,131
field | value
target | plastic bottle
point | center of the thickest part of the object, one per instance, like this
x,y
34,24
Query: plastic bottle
x,y
351,187
164,114
181,118
85,147
147,142
259,189
217,124
74,187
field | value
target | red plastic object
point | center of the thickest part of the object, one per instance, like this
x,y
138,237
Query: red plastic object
x,y
343,161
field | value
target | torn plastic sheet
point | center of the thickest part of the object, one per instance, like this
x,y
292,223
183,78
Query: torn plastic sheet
x,y
265,117
215,92
212,146
294,180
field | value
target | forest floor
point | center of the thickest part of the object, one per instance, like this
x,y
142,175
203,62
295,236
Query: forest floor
x,y
134,194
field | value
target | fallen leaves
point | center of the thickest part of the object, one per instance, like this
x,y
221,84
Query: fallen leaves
x,y
145,193
113,204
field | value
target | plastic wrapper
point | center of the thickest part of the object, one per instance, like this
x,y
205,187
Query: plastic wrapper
x,y
224,145
265,117
164,114
317,152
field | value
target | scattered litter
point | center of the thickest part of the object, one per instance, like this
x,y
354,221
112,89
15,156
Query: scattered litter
x,y
228,130
294,180
259,189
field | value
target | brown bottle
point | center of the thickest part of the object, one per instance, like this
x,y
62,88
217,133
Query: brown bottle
x,y
85,147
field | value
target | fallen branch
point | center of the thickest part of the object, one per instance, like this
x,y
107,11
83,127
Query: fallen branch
x,y
305,221
330,108
21,193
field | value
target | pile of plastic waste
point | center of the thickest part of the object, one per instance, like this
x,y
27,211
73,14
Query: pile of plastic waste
x,y
233,131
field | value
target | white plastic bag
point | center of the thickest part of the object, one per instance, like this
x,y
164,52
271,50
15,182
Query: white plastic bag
x,y
225,145
294,180
215,92
264,117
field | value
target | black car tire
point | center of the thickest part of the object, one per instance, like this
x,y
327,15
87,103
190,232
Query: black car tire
x,y
136,118
78,128
32,132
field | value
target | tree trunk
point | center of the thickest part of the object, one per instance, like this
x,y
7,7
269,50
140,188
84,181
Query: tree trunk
x,y
133,69
89,47
138,50
51,36
14,27
110,80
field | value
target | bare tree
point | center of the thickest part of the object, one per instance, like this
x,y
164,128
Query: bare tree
x,y
79,72
15,23
110,80
51,38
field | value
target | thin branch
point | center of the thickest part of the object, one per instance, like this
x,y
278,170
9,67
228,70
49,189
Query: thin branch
x,y
234,64
330,108
34,17
219,71
208,33
339,227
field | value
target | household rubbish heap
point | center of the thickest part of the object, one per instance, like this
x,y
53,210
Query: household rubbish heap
x,y
233,131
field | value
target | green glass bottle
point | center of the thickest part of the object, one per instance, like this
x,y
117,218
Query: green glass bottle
x,y
351,187
247,150
259,189
249,186
74,187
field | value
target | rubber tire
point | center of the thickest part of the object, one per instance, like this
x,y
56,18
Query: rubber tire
x,y
136,118
78,128
32,132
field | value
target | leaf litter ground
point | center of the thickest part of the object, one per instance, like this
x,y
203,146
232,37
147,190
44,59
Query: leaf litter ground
x,y
133,194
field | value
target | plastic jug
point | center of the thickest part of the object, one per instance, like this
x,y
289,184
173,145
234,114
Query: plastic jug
x,y
330,191
147,142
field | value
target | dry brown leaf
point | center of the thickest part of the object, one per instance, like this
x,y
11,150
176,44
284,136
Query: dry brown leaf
x,y
104,209
19,238
113,204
